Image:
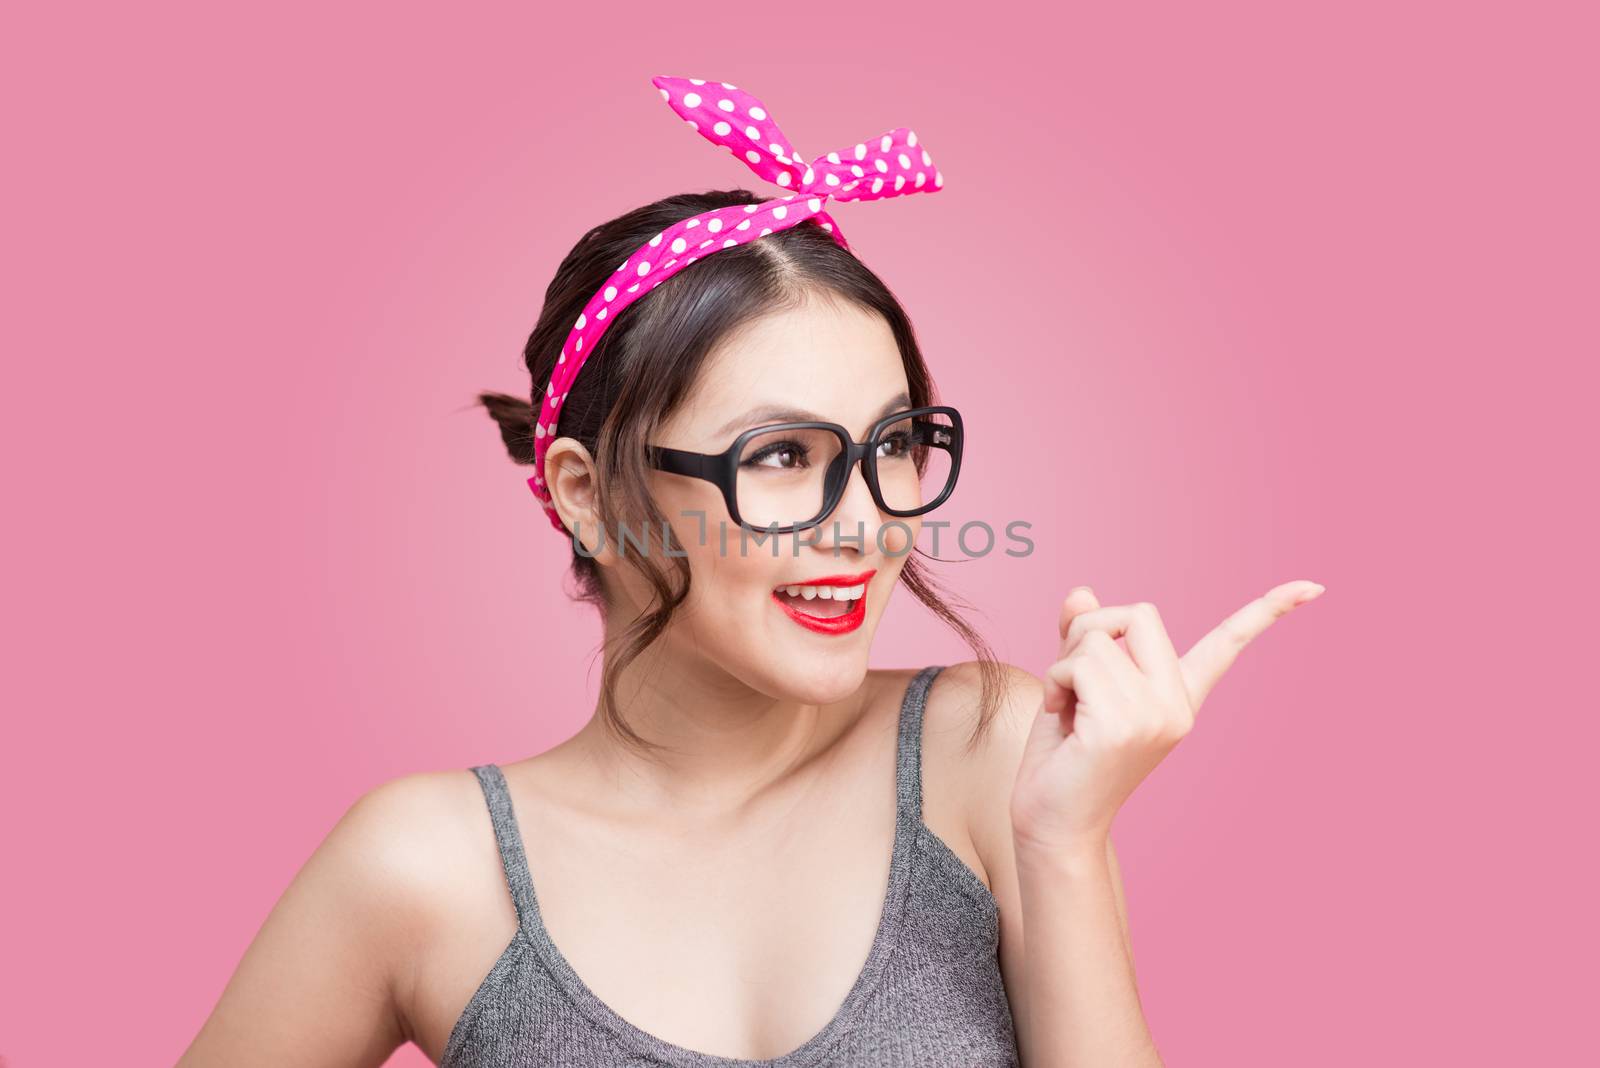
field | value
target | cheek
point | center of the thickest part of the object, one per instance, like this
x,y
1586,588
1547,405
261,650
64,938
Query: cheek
x,y
896,538
693,507
727,591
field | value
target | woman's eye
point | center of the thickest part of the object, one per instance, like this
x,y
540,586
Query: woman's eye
x,y
783,455
895,443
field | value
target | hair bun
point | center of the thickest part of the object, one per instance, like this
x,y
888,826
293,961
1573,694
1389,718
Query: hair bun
x,y
515,416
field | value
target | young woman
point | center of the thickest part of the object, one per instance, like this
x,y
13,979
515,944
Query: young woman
x,y
758,851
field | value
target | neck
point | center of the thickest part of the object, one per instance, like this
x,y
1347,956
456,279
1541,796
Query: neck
x,y
725,742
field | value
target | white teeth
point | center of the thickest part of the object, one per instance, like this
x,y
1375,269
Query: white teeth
x,y
827,593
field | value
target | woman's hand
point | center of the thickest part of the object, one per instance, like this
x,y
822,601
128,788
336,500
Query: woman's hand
x,y
1115,713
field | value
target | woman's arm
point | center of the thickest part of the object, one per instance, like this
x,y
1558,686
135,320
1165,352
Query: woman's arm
x,y
1107,716
318,984
1079,974
1083,907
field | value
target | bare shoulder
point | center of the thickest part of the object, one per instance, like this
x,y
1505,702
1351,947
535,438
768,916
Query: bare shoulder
x,y
324,979
987,754
413,816
394,846
418,846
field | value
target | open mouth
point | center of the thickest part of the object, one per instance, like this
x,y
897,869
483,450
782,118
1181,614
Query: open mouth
x,y
833,605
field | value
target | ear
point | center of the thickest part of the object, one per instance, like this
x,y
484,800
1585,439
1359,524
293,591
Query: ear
x,y
569,474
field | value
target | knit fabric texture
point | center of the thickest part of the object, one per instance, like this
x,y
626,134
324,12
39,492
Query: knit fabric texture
x,y
930,993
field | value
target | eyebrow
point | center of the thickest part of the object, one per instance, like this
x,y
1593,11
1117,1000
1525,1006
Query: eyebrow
x,y
781,413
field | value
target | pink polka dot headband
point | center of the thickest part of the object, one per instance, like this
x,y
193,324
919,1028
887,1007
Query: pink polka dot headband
x,y
887,166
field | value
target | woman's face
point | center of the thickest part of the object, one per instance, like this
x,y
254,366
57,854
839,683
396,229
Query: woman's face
x,y
823,361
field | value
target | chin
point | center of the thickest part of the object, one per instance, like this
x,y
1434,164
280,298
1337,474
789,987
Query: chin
x,y
821,677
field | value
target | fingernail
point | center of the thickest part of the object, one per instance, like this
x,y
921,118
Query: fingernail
x,y
1311,594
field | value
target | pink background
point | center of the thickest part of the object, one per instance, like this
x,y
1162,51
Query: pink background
x,y
1327,312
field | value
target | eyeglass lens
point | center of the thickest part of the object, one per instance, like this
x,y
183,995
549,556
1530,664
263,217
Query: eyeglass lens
x,y
786,473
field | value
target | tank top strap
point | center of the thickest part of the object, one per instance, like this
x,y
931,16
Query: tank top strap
x,y
908,760
508,839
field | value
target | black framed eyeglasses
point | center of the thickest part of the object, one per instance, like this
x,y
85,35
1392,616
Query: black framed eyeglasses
x,y
787,477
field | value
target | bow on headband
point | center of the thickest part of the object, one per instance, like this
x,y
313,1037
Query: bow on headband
x,y
890,165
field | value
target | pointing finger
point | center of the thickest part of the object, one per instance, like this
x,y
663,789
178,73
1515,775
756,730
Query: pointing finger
x,y
1203,665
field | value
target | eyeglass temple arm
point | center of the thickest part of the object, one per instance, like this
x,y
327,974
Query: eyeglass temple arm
x,y
682,462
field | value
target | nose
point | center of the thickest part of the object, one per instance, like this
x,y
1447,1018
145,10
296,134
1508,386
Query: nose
x,y
854,522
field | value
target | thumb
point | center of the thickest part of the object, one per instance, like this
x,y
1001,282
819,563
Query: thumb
x,y
1057,698
1079,601
1045,736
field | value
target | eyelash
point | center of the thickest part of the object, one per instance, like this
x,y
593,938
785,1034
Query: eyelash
x,y
898,438
776,447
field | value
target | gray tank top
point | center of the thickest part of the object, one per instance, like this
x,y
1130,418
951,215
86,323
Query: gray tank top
x,y
929,994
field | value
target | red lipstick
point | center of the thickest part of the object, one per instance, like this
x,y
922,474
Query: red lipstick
x,y
833,580
828,624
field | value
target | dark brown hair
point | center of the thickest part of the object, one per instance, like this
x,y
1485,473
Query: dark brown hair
x,y
645,364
